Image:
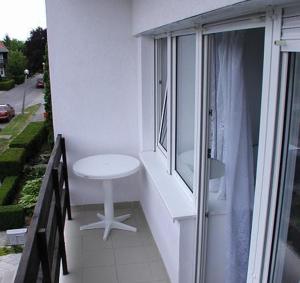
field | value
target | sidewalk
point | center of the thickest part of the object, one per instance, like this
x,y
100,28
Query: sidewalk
x,y
8,267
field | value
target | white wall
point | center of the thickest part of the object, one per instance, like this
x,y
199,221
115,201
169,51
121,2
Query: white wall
x,y
149,14
93,63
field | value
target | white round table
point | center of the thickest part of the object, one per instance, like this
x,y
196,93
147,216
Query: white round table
x,y
107,167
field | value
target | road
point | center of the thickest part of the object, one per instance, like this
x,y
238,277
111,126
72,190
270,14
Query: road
x,y
15,96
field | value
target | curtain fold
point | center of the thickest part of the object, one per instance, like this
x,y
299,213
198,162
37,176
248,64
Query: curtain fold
x,y
231,142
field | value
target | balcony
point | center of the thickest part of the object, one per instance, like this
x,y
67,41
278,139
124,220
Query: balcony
x,y
125,257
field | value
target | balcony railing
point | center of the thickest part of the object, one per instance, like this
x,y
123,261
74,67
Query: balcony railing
x,y
45,245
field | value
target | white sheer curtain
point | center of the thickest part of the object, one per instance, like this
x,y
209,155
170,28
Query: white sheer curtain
x,y
231,142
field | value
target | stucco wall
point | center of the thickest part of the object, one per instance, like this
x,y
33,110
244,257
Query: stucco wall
x,y
149,14
93,62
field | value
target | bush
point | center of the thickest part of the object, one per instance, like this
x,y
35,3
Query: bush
x,y
7,85
30,193
32,138
11,162
11,217
8,190
19,79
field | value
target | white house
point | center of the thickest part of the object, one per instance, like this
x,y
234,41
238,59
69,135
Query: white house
x,y
206,94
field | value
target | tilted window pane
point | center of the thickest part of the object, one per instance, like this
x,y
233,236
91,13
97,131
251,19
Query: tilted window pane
x,y
185,107
163,133
162,92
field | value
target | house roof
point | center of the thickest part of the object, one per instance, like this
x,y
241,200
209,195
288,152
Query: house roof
x,y
3,48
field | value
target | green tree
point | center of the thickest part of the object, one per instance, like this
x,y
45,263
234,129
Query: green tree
x,y
13,44
16,63
35,49
47,98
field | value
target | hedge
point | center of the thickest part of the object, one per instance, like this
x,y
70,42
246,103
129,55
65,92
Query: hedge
x,y
8,190
19,79
11,162
11,217
7,85
31,139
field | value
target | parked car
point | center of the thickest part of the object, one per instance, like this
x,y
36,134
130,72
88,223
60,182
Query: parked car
x,y
40,83
7,112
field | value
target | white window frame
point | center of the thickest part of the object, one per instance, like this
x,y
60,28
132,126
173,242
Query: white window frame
x,y
271,127
169,155
266,141
285,47
191,194
158,124
267,161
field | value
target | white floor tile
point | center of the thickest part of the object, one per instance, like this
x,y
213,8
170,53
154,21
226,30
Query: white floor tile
x,y
126,257
100,275
131,255
94,241
103,257
134,273
158,271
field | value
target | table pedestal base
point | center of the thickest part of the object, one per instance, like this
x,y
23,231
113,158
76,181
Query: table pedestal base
x,y
108,221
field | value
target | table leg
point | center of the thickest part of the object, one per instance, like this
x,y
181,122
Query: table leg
x,y
108,220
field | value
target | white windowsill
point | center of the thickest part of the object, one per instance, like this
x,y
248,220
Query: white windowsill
x,y
179,205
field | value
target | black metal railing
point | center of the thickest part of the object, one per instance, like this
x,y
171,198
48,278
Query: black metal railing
x,y
45,246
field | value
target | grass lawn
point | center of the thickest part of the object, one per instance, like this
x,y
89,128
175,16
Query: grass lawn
x,y
16,125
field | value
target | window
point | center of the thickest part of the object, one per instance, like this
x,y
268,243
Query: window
x,y
286,254
185,107
161,93
234,88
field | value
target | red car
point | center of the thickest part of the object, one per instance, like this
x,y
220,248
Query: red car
x,y
7,112
40,83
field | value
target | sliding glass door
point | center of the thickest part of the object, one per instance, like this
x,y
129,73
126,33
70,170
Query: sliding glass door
x,y
286,248
234,88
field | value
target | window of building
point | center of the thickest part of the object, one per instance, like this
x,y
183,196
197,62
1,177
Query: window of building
x,y
161,93
185,107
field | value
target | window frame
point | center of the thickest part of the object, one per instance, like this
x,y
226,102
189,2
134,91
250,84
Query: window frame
x,y
286,47
157,115
191,192
272,111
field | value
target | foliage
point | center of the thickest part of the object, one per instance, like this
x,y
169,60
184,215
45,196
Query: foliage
x,y
34,172
30,193
35,49
31,138
16,63
12,216
15,126
11,250
19,79
13,44
8,190
12,161
47,98
7,84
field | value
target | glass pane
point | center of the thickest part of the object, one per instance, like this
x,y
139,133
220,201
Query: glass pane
x,y
163,134
185,107
287,262
162,91
163,71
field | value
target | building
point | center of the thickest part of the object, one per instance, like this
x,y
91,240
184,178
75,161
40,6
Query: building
x,y
206,95
3,59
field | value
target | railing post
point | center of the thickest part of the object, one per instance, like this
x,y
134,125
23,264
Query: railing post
x,y
44,256
66,178
62,248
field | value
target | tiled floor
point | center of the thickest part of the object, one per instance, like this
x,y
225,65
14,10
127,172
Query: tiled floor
x,y
126,257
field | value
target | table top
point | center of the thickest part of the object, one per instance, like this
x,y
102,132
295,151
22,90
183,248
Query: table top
x,y
106,166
